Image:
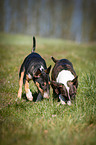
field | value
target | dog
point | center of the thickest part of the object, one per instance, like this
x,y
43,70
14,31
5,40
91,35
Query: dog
x,y
34,68
64,81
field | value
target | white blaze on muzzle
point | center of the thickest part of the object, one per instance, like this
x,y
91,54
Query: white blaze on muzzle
x,y
69,103
46,95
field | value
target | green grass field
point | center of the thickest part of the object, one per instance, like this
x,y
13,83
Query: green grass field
x,y
45,122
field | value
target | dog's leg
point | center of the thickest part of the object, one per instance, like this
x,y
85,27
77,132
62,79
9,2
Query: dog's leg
x,y
39,97
62,99
28,92
20,85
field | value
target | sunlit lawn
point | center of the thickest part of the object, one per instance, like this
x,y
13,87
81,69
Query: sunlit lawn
x,y
45,122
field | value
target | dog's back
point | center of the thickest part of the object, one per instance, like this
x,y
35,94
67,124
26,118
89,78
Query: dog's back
x,y
32,62
60,65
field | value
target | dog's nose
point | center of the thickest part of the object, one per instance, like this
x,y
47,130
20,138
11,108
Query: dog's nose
x,y
69,103
46,95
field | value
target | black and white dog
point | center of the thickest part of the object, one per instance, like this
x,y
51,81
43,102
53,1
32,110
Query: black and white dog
x,y
64,80
34,68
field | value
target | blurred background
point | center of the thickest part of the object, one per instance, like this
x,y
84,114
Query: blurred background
x,y
66,19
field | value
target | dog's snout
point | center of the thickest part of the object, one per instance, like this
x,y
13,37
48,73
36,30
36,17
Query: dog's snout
x,y
46,95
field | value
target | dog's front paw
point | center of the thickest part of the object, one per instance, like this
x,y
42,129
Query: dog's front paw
x,y
29,96
19,94
62,102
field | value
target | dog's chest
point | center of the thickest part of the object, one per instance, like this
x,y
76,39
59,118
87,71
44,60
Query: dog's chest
x,y
64,76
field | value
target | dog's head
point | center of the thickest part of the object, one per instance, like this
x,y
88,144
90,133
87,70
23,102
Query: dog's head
x,y
68,93
73,87
42,81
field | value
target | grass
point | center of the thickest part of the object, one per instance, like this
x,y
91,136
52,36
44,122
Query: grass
x,y
28,123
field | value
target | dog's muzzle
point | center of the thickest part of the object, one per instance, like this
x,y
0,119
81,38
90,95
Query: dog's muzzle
x,y
46,95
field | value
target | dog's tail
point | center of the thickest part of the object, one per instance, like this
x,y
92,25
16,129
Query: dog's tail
x,y
55,60
34,44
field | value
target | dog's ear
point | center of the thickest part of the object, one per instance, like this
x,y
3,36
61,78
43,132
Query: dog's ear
x,y
47,71
73,82
37,74
56,84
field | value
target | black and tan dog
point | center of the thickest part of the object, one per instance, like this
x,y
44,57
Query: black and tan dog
x,y
34,68
64,81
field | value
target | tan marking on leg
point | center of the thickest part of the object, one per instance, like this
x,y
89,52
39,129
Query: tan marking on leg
x,y
20,85
27,78
37,84
28,92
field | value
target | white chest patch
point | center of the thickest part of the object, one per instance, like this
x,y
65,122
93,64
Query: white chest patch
x,y
64,76
41,68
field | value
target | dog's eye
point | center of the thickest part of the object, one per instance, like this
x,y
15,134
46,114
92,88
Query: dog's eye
x,y
42,84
